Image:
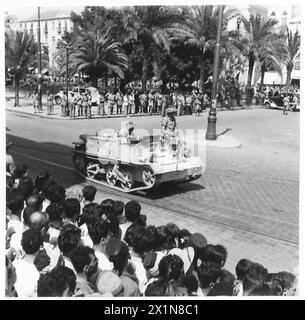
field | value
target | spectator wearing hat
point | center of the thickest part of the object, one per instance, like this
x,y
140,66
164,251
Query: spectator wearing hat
x,y
119,255
109,284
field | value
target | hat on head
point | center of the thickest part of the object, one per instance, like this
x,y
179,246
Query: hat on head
x,y
197,240
109,282
113,247
170,110
187,255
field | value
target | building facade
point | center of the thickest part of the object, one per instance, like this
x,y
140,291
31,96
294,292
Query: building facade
x,y
53,25
287,16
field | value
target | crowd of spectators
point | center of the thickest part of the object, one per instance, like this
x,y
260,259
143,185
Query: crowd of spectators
x,y
62,243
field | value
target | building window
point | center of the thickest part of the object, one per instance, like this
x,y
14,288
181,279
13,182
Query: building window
x,y
31,29
59,27
66,26
53,42
20,25
53,25
46,29
285,13
238,22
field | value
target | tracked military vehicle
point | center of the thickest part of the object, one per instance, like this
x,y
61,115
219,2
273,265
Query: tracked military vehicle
x,y
130,163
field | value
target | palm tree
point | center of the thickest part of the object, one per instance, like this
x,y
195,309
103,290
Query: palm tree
x,y
292,53
20,53
150,26
95,53
199,30
259,31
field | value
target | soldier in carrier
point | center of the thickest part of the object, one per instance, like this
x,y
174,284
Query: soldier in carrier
x,y
168,129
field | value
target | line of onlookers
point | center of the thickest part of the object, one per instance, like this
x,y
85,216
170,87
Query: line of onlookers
x,y
62,243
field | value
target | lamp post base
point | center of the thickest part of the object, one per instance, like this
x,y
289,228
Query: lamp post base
x,y
211,130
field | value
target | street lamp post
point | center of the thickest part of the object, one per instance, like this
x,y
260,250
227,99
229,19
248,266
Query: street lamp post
x,y
67,71
211,129
39,63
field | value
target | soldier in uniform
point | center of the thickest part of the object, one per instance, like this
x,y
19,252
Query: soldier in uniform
x,y
181,103
35,98
168,129
80,105
198,99
111,101
49,102
143,102
101,105
119,101
64,101
159,98
188,104
151,102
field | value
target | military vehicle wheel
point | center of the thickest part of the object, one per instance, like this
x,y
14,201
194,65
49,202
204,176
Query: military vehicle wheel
x,y
126,186
111,177
92,170
80,163
148,177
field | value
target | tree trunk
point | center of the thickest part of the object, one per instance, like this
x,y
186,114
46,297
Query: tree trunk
x,y
144,71
94,82
201,76
106,80
249,80
288,79
263,71
164,83
16,80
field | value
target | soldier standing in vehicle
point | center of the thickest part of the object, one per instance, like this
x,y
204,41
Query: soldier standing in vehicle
x,y
286,101
168,129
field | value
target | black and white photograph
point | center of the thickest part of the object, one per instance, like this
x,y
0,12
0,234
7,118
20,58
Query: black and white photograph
x,y
152,150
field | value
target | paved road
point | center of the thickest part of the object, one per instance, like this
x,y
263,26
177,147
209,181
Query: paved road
x,y
247,199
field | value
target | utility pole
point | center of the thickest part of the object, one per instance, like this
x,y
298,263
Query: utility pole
x,y
67,70
39,80
211,129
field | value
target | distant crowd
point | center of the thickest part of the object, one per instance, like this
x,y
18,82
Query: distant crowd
x,y
64,243
155,101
